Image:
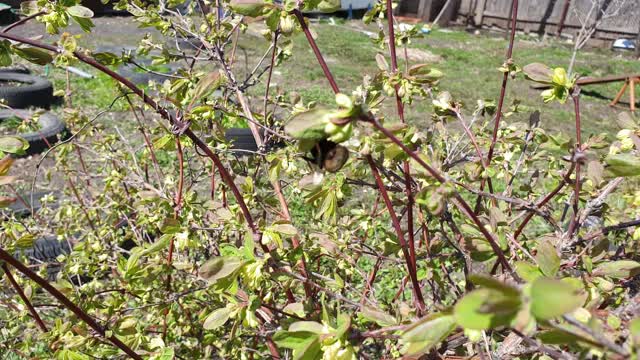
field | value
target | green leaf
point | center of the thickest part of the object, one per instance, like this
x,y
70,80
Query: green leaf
x,y
551,298
5,163
13,145
379,317
329,6
427,333
25,241
528,272
620,269
207,84
307,326
308,126
284,229
170,226
491,283
252,8
166,354
220,267
160,244
217,318
32,54
80,11
486,308
6,201
623,164
634,331
5,53
305,345
547,258
107,58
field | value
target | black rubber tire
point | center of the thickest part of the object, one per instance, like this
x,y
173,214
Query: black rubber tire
x,y
18,69
18,209
35,91
45,251
51,128
243,141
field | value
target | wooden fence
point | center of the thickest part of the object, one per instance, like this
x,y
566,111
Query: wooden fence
x,y
544,16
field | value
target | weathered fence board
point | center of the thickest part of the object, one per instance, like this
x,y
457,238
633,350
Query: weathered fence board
x,y
543,16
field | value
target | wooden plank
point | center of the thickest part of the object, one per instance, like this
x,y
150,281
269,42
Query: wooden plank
x,y
619,95
480,12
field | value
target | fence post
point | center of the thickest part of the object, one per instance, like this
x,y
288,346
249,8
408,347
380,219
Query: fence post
x,y
563,16
480,6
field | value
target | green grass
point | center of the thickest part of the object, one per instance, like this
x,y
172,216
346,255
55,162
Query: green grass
x,y
469,63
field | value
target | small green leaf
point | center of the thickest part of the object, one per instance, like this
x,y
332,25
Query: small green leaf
x,y
5,53
528,272
217,318
207,84
307,326
32,54
308,126
107,58
220,267
427,333
486,308
13,145
551,298
620,269
623,164
379,317
491,283
80,11
165,354
547,258
6,201
170,226
252,8
634,331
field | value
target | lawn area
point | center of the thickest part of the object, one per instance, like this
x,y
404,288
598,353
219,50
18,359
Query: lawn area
x,y
469,62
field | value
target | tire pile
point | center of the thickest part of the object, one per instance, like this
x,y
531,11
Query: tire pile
x,y
26,95
23,93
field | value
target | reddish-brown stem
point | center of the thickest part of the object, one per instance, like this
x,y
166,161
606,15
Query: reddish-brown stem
x,y
22,21
5,256
268,85
177,201
82,164
458,200
83,207
503,91
24,298
316,51
396,224
147,141
544,201
576,196
505,79
400,110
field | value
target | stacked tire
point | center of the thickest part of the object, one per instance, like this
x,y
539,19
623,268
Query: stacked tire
x,y
23,93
